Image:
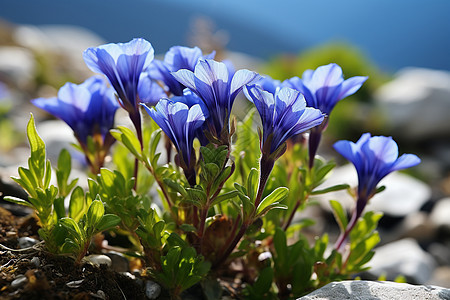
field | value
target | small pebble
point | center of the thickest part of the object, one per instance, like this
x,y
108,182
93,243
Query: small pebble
x,y
35,261
98,259
26,242
75,284
19,281
152,289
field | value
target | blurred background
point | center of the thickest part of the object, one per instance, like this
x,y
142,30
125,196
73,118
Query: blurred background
x,y
403,46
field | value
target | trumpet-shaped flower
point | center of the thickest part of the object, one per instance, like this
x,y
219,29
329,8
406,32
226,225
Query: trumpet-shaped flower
x,y
325,86
122,64
283,115
374,158
87,108
179,123
213,83
176,58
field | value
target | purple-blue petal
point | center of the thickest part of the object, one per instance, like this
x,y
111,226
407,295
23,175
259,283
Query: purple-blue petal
x,y
351,86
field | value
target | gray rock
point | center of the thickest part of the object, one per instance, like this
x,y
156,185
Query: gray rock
x,y
152,289
35,261
417,102
377,290
19,281
26,242
440,252
403,257
98,259
119,262
403,194
441,277
440,215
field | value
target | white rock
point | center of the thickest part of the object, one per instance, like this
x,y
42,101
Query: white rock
x,y
19,281
440,215
98,259
26,242
417,102
66,40
403,194
403,257
17,63
379,290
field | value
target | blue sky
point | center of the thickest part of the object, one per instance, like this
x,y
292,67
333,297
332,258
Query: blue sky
x,y
393,33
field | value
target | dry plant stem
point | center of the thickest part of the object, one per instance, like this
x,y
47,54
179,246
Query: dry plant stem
x,y
291,216
232,245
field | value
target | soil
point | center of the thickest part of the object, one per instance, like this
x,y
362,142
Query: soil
x,y
53,277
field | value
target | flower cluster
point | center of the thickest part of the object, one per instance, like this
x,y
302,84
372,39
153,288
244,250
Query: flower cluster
x,y
218,191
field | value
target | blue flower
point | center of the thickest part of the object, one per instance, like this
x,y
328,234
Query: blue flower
x,y
269,84
179,123
191,99
283,115
325,86
213,83
149,90
176,58
374,158
122,64
88,108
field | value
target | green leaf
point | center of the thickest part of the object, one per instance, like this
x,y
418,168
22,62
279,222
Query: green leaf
x,y
197,195
37,146
275,205
322,172
58,206
225,196
94,214
154,141
247,205
73,228
252,183
48,174
280,244
18,201
175,186
128,139
27,181
77,204
212,170
188,228
107,221
278,195
380,189
339,214
333,188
